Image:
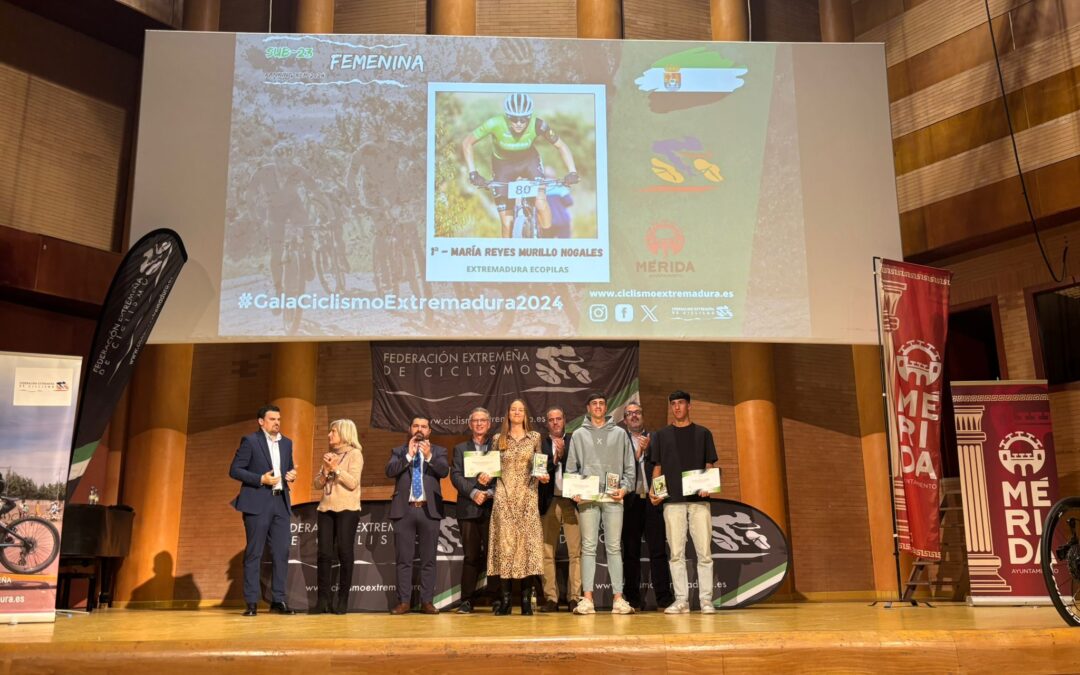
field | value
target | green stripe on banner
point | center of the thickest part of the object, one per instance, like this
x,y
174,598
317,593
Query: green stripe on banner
x,y
453,594
753,587
80,459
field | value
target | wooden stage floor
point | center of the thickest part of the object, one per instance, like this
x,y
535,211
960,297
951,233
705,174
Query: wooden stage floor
x,y
804,637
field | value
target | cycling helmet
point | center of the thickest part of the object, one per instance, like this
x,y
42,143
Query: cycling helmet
x,y
518,105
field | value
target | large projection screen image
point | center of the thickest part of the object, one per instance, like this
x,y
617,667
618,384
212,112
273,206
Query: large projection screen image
x,y
397,187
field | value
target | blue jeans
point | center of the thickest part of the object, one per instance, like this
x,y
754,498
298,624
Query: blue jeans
x,y
589,516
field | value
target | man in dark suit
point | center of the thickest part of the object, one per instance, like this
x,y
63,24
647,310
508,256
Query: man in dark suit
x,y
264,466
641,517
558,514
475,497
416,509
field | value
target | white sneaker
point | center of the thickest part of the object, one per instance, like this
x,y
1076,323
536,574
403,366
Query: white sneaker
x,y
621,606
678,607
708,608
585,607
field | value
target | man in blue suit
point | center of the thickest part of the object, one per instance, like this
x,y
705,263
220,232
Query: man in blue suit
x,y
262,461
416,509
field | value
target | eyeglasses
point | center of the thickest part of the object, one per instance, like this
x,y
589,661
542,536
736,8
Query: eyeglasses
x,y
633,413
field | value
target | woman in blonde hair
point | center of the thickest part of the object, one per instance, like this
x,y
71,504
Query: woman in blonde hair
x,y
516,547
339,513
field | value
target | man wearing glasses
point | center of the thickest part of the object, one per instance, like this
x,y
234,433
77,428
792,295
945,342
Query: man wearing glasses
x,y
558,514
642,517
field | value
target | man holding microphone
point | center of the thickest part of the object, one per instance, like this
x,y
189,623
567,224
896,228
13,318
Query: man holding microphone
x,y
416,509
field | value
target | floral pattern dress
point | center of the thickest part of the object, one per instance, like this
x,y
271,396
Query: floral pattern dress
x,y
516,546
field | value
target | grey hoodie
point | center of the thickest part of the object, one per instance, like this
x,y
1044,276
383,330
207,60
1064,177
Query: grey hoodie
x,y
600,451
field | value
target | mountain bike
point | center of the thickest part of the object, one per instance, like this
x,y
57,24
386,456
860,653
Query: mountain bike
x,y
524,192
28,544
1060,555
296,270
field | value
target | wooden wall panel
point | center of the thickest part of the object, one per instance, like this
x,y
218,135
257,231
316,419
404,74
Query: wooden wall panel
x,y
229,382
704,371
785,21
527,18
380,16
830,534
956,170
1065,414
675,20
13,95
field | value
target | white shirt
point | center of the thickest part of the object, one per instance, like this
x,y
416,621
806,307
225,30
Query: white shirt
x,y
275,457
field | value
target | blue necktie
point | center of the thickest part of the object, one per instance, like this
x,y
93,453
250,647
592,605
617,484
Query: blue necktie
x,y
417,477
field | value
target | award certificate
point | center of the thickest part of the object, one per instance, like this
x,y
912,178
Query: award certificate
x,y
587,487
705,479
477,463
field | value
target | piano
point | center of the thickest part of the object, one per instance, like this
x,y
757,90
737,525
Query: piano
x,y
93,542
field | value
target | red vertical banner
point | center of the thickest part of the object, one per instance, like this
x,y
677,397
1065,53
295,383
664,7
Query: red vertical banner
x,y
914,316
1008,474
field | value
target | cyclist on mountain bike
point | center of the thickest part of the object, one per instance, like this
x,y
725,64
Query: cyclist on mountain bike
x,y
514,155
277,193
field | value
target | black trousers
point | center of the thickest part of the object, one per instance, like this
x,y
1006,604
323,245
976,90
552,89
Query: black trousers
x,y
640,517
474,539
337,539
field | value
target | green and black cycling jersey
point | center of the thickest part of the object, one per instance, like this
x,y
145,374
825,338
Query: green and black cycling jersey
x,y
507,146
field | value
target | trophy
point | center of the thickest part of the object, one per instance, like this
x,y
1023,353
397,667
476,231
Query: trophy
x,y
659,487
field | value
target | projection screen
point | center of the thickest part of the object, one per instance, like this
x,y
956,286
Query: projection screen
x,y
340,187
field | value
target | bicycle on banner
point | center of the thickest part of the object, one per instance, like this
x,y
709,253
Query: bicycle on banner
x,y
28,544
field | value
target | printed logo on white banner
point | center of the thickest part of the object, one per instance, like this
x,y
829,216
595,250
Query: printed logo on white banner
x,y
1021,453
43,387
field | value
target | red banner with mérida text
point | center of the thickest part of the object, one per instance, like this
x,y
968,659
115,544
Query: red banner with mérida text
x,y
914,315
1009,478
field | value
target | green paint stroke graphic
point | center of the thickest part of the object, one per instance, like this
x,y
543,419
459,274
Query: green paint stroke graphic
x,y
698,57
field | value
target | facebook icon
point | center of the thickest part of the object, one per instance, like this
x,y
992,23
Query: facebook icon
x,y
624,313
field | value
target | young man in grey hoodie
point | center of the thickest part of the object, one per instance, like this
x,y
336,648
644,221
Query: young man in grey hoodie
x,y
598,448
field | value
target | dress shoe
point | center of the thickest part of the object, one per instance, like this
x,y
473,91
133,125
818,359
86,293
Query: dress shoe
x,y
400,608
465,607
280,608
428,608
549,606
251,609
341,605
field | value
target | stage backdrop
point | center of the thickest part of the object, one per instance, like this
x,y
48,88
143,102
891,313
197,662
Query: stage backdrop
x,y
1009,478
443,382
750,560
914,315
37,414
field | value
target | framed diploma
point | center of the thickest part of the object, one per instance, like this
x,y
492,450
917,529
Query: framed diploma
x,y
477,463
704,479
